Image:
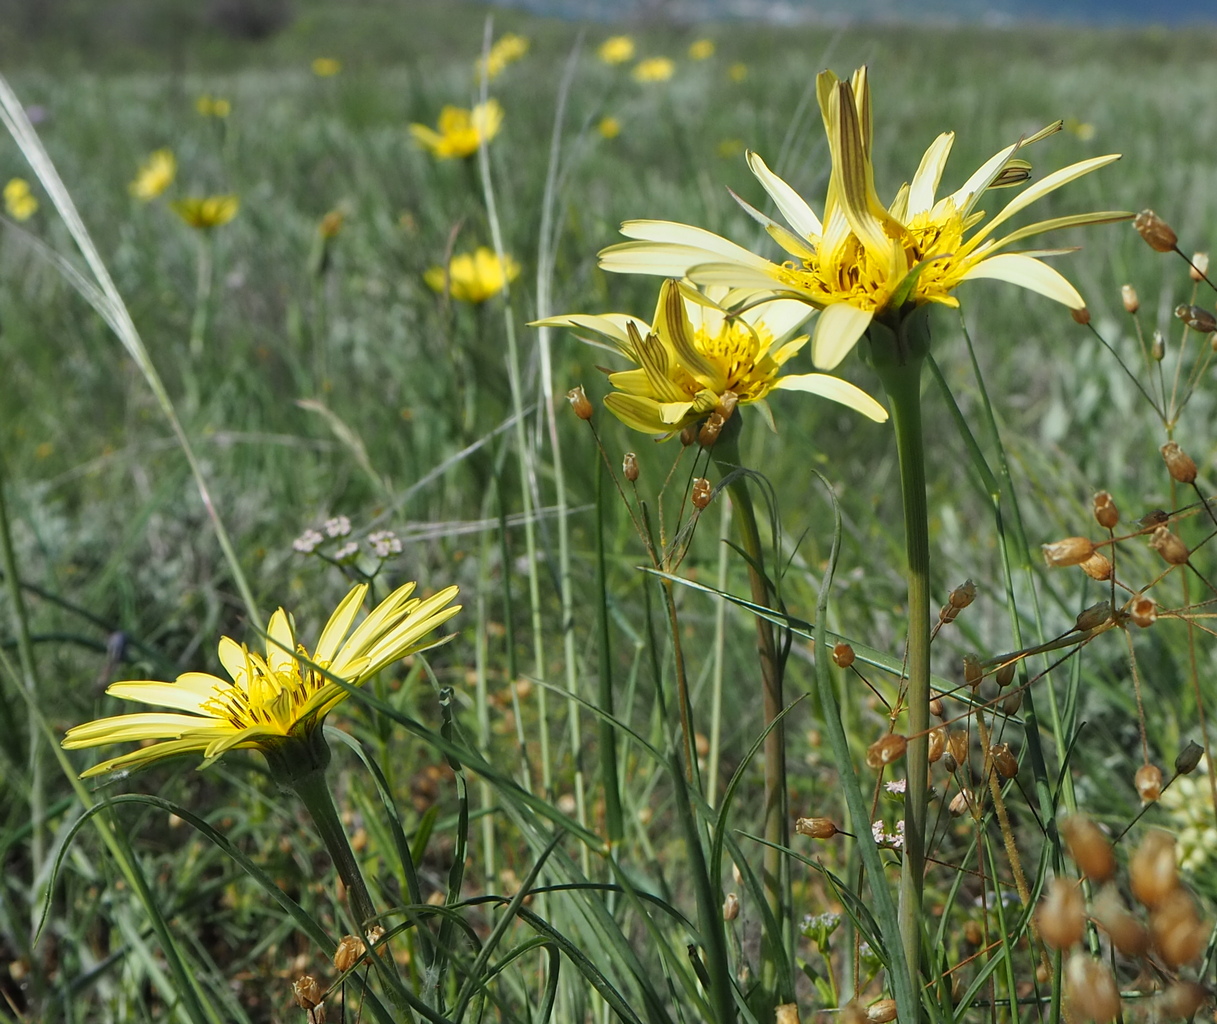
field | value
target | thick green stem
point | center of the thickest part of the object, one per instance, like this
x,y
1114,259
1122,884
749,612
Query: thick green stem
x,y
897,357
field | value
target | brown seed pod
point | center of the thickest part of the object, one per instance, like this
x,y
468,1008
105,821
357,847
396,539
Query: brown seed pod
x,y
1093,616
1177,932
937,743
936,708
1070,551
1005,674
1105,511
961,803
1089,847
1012,703
1128,934
817,828
307,992
1188,758
881,1012
1197,318
957,743
579,402
350,951
1180,1000
963,595
1157,347
702,493
886,749
1152,872
842,655
1129,296
730,907
1143,611
1156,232
1178,463
727,402
1061,915
1148,781
1081,315
1004,760
711,429
1090,989
973,673
629,466
1098,567
1169,546
688,435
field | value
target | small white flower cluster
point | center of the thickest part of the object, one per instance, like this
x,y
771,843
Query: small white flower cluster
x,y
891,840
338,526
307,542
897,786
383,543
1190,816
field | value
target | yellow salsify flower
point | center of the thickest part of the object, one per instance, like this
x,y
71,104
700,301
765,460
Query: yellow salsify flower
x,y
701,49
19,201
461,131
271,700
864,261
609,127
473,277
154,175
737,72
616,50
507,50
697,351
326,67
206,212
213,106
653,69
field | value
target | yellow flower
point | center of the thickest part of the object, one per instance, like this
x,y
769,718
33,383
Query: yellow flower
x,y
212,106
18,200
697,352
728,148
702,49
205,213
326,67
461,131
474,277
616,50
609,127
506,51
737,72
1082,129
154,175
864,261
282,696
653,69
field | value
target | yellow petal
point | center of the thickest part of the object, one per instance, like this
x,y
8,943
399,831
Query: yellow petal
x,y
790,204
146,726
189,693
1028,273
280,643
837,330
929,174
1056,223
677,331
836,390
636,413
339,625
145,756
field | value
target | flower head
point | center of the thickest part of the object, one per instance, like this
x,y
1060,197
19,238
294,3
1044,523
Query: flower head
x,y
653,69
616,50
155,175
326,67
460,132
19,202
863,261
507,50
701,49
609,127
474,276
213,106
280,697
206,212
696,353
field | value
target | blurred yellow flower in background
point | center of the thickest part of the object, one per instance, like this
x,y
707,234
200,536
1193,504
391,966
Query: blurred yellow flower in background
x,y
506,51
653,69
701,49
728,148
609,127
18,200
154,175
616,50
213,106
737,72
473,277
460,132
1084,130
326,67
205,213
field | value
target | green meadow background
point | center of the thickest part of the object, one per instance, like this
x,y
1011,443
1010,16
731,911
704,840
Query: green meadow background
x,y
121,571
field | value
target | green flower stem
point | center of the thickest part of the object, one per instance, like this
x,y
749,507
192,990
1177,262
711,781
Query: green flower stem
x,y
775,869
202,296
897,357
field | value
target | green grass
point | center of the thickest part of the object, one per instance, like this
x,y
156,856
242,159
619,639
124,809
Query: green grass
x,y
114,547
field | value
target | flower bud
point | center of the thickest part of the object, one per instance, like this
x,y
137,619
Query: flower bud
x,y
1149,783
350,951
973,673
1081,315
1005,674
936,705
885,750
1090,989
1105,511
1070,551
1061,915
1004,760
1089,847
1093,616
842,655
960,803
1152,873
579,402
957,743
702,493
730,907
1199,267
629,466
1169,546
1177,932
307,992
1180,1000
1178,463
1129,294
881,1012
1012,703
1098,567
817,828
1128,935
1197,318
937,744
1143,611
1156,232
1188,758
688,435
1157,347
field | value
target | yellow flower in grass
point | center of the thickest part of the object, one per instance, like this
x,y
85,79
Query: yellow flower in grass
x,y
474,276
701,49
272,699
616,50
212,106
19,202
326,67
155,175
653,69
737,72
609,127
864,261
507,50
460,132
696,352
206,212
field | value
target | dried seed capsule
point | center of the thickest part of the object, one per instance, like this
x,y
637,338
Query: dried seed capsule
x,y
730,907
1005,674
936,706
1177,932
1197,318
1188,758
688,435
1143,611
1004,760
710,430
1080,315
1089,847
817,828
1149,783
949,762
1129,294
1098,567
1105,511
963,595
1157,347
350,951
957,743
1169,546
1154,517
1178,463
842,655
1152,873
1061,915
1199,267
1180,1000
961,803
1012,703
580,403
886,749
1090,989
629,466
702,493
973,673
727,402
937,744
787,1013
1070,551
307,992
1156,232
1093,616
881,1012
1128,935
